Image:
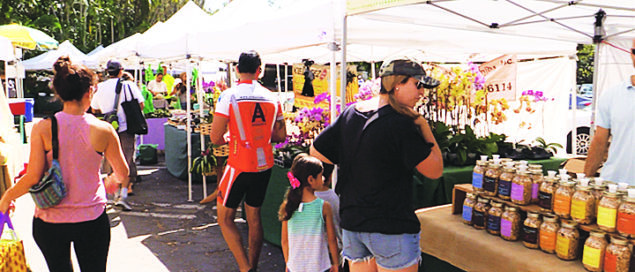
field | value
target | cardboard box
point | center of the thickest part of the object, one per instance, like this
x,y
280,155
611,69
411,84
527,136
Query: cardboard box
x,y
576,165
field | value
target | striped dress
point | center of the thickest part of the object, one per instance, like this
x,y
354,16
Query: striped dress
x,y
306,230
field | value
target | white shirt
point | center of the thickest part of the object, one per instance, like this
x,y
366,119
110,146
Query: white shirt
x,y
158,87
104,98
616,113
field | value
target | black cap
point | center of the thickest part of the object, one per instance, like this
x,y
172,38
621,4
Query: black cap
x,y
408,68
113,65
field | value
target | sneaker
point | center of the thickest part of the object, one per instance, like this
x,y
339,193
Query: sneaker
x,y
123,204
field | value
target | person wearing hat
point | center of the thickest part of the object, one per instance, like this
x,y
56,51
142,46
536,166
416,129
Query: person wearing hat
x,y
377,144
103,102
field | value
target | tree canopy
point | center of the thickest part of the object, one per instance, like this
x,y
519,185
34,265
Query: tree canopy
x,y
89,23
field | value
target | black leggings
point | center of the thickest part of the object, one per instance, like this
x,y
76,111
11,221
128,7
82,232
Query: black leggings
x,y
91,240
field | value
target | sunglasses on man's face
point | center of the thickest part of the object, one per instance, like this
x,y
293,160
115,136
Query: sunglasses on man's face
x,y
633,51
419,85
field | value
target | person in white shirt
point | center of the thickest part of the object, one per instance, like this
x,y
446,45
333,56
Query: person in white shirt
x,y
103,102
157,86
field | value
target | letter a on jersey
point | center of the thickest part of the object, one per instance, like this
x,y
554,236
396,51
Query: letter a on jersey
x,y
258,114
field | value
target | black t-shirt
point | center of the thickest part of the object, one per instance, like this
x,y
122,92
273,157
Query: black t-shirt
x,y
376,167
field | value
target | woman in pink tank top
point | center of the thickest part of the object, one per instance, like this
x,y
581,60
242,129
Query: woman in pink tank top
x,y
81,216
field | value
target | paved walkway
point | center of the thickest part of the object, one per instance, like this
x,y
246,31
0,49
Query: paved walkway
x,y
163,232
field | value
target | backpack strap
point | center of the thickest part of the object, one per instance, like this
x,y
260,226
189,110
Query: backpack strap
x,y
55,142
117,92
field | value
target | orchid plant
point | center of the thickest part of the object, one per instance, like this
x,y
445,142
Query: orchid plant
x,y
308,122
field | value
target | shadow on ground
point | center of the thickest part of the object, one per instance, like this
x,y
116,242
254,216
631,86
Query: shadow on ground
x,y
183,235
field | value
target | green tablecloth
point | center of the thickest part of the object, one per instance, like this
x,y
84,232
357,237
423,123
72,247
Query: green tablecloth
x,y
432,192
426,192
176,151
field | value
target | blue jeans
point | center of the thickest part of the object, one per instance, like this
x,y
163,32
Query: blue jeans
x,y
391,251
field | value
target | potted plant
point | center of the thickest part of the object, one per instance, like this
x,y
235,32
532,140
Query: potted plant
x,y
205,163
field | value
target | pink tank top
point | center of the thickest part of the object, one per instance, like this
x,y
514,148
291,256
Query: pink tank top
x,y
86,195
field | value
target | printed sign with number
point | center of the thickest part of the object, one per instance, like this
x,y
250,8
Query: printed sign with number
x,y
500,77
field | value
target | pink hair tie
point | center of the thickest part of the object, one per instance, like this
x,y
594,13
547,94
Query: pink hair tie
x,y
295,183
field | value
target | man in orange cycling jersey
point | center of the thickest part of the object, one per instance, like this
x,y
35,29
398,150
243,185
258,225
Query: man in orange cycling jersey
x,y
254,118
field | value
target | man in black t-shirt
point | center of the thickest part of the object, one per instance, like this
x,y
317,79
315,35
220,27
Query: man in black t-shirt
x,y
377,143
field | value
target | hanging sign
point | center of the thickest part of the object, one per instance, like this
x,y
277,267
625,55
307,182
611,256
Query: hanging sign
x,y
500,77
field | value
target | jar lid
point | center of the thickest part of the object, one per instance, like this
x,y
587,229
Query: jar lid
x,y
533,215
569,224
483,200
549,179
509,169
535,171
550,218
511,208
618,240
583,188
597,233
494,165
481,163
567,183
505,160
607,193
497,204
599,187
522,172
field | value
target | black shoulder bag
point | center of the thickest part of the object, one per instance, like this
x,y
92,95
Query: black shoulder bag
x,y
135,120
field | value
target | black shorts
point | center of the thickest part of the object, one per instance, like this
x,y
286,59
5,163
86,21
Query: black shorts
x,y
250,185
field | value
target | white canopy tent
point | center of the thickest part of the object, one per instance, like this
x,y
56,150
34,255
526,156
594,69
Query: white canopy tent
x,y
579,21
46,60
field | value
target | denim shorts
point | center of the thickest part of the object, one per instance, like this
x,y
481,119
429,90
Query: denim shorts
x,y
391,251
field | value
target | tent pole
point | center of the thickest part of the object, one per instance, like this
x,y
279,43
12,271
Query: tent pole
x,y
333,80
599,36
372,69
188,129
278,78
343,69
286,77
201,103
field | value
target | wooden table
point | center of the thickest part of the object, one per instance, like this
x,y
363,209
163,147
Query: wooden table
x,y
444,236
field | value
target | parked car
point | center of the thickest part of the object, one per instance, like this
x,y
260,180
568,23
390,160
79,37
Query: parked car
x,y
583,130
586,90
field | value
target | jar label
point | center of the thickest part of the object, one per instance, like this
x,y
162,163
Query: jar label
x,y
517,192
607,217
548,240
610,262
591,256
506,228
530,235
467,213
544,200
562,204
489,184
504,187
562,246
477,180
534,191
493,223
578,209
626,223
478,218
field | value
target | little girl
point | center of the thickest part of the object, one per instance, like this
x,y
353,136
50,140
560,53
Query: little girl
x,y
307,221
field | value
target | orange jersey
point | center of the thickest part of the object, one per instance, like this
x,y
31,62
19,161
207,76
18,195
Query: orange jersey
x,y
258,110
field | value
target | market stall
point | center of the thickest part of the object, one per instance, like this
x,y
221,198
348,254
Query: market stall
x,y
425,192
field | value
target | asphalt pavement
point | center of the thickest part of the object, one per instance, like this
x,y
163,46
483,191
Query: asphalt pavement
x,y
163,232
